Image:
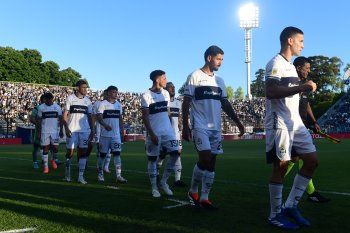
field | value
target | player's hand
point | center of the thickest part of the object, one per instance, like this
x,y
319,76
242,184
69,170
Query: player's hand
x,y
317,128
154,139
186,133
68,133
311,85
107,127
241,129
92,135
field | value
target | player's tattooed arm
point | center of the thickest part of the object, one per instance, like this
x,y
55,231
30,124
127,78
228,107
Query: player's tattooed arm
x,y
228,109
276,91
38,124
147,123
65,123
60,123
121,127
186,134
102,123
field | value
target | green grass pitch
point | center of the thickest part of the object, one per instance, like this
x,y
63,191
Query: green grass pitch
x,y
29,198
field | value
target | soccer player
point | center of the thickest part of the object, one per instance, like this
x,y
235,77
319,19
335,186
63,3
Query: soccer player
x,y
36,143
79,128
98,131
50,128
285,131
110,118
205,93
302,65
175,108
160,134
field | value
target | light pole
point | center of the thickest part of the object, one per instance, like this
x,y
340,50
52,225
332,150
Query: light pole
x,y
248,19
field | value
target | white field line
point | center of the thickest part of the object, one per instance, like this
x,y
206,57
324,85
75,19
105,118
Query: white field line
x,y
216,181
180,203
31,229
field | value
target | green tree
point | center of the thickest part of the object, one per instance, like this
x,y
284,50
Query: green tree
x,y
257,87
325,72
229,91
182,89
52,72
26,66
13,65
68,77
239,94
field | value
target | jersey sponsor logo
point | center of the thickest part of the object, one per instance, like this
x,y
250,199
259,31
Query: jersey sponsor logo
x,y
289,81
111,113
158,107
208,92
78,109
283,151
49,114
174,112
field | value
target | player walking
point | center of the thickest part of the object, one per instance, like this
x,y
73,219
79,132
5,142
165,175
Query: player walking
x,y
285,131
79,128
160,134
50,127
110,118
205,93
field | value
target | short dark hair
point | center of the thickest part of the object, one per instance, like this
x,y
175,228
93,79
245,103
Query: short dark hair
x,y
168,84
48,95
81,82
301,61
288,32
42,97
111,88
212,51
155,74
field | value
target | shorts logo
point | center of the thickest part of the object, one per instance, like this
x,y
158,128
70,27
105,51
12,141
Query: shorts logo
x,y
282,151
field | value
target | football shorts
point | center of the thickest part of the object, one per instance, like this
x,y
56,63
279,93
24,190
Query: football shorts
x,y
283,144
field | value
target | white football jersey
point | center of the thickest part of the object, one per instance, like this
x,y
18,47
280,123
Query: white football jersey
x,y
95,111
49,117
158,103
78,109
111,114
175,108
283,113
206,93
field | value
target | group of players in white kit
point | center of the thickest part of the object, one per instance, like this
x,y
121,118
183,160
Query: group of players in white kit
x,y
204,97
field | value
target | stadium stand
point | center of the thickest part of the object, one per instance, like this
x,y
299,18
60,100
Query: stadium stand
x,y
18,99
337,118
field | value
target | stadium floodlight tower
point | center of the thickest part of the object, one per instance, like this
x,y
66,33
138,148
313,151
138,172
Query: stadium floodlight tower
x,y
248,19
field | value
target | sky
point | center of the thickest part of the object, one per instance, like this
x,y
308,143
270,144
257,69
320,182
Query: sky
x,y
114,42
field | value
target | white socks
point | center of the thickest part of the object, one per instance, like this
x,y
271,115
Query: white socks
x,y
275,190
298,189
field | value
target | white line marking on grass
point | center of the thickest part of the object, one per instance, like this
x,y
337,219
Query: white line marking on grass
x,y
180,203
20,230
110,187
218,181
337,193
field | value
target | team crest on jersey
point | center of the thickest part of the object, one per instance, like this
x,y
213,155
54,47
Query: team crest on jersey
x,y
274,71
283,151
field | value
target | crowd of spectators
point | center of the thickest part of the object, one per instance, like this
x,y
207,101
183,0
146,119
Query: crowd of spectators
x,y
250,112
18,99
337,118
